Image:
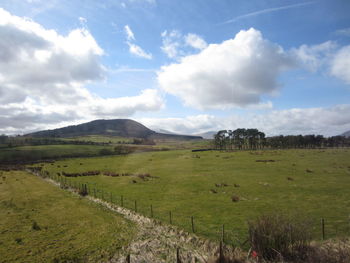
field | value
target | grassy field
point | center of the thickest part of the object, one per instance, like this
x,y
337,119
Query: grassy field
x,y
44,152
101,138
42,223
28,153
183,183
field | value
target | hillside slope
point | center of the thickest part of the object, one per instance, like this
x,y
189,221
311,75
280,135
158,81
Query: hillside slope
x,y
116,127
346,134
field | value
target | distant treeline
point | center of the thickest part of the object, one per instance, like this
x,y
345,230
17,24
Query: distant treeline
x,y
254,139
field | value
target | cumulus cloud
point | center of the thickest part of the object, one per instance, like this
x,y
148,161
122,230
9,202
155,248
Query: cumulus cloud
x,y
43,76
175,44
235,73
340,64
326,121
315,56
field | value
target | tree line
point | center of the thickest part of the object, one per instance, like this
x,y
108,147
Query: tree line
x,y
253,139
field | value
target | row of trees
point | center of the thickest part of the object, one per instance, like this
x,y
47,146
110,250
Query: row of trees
x,y
241,139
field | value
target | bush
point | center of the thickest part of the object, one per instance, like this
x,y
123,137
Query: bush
x,y
83,191
334,251
122,149
105,151
235,198
277,237
35,226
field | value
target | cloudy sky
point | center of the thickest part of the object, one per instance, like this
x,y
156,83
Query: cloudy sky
x,y
187,66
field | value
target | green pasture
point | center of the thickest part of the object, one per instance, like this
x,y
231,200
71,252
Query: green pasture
x,y
183,182
41,223
32,153
101,139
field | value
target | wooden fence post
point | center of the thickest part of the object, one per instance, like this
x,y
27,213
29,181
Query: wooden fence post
x,y
135,206
128,258
170,219
121,201
178,255
192,224
221,256
223,233
323,231
151,211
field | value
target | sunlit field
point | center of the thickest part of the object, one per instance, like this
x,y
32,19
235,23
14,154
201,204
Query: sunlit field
x,y
41,223
227,188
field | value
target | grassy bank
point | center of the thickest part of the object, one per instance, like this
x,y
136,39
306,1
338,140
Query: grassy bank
x,y
42,223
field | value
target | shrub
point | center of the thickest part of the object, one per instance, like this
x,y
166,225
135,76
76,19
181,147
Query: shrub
x,y
122,149
235,198
83,191
105,151
330,252
35,226
277,237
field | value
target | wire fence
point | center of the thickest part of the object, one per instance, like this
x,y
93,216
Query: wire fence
x,y
321,228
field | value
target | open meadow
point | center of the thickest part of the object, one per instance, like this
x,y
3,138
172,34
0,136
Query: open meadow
x,y
41,223
217,188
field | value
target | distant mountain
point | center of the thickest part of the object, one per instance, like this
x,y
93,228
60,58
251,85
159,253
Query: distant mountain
x,y
346,134
207,135
116,127
165,131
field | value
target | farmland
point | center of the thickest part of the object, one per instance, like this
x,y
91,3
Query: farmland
x,y
310,183
42,223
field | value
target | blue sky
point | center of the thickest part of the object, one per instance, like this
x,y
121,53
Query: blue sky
x,y
184,66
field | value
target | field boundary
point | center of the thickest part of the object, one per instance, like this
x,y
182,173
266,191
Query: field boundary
x,y
156,241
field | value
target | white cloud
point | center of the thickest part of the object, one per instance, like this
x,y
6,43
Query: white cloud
x,y
43,74
195,41
133,48
176,45
314,57
326,121
129,34
340,64
343,32
171,42
82,20
234,73
138,51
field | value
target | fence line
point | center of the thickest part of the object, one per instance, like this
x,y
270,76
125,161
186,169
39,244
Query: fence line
x,y
223,234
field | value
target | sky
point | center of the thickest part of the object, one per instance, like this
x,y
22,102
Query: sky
x,y
185,66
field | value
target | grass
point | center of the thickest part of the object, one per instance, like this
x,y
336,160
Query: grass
x,y
101,139
184,181
42,223
29,153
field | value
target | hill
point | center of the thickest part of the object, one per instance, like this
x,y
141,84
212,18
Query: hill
x,y
116,127
207,135
346,134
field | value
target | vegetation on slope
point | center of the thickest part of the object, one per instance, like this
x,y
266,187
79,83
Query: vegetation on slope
x,y
41,223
